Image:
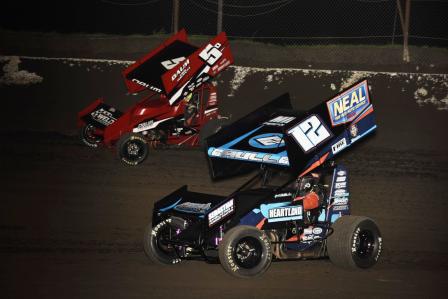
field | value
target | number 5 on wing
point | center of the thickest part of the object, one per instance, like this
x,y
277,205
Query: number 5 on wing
x,y
211,53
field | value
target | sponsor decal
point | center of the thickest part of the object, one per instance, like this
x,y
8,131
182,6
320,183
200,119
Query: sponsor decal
x,y
341,172
213,100
283,195
340,185
192,207
340,200
355,239
147,125
308,231
103,116
341,179
310,133
309,235
340,208
346,106
181,71
380,247
153,88
222,65
340,192
199,79
249,156
353,130
171,63
279,121
221,212
269,140
285,213
339,146
317,230
191,84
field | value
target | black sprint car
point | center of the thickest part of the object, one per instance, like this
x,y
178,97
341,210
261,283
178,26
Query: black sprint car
x,y
297,205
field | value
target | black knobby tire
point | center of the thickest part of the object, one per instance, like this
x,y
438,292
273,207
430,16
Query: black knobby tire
x,y
132,149
245,252
356,242
211,127
155,249
88,137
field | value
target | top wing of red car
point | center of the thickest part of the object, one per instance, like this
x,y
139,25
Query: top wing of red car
x,y
176,67
297,141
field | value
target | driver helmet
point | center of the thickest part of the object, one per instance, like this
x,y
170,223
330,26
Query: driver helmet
x,y
306,183
188,97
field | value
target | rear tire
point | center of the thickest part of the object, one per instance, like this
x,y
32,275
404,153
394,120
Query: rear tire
x,y
245,252
355,243
88,137
155,250
132,149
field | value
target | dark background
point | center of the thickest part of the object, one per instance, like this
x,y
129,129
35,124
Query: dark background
x,y
72,218
296,22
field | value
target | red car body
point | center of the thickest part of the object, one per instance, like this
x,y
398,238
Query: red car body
x,y
180,99
156,108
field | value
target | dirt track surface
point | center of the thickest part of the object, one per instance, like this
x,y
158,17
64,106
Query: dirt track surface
x,y
72,218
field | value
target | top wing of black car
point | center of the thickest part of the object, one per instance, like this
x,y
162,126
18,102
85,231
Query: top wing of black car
x,y
276,136
176,67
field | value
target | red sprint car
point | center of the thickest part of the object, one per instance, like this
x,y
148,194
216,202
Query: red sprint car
x,y
180,106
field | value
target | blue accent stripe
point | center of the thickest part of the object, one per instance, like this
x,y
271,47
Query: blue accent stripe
x,y
170,206
364,134
362,113
235,141
274,158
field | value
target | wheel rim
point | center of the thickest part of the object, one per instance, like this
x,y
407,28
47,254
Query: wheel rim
x,y
247,252
89,134
365,244
134,150
161,242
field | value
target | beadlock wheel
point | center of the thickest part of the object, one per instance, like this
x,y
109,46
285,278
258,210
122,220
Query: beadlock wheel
x,y
245,252
155,244
132,149
88,137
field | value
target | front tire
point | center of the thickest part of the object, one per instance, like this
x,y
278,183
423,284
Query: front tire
x,y
154,246
132,149
88,137
245,252
356,242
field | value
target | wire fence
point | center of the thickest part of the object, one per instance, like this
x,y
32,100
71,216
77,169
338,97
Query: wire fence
x,y
319,22
294,22
301,23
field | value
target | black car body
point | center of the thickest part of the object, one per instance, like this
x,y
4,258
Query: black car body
x,y
296,206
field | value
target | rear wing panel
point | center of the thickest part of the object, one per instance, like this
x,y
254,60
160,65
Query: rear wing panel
x,y
176,67
146,72
330,128
296,141
230,149
199,67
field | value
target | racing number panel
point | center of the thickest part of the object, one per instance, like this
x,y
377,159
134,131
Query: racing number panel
x,y
150,71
